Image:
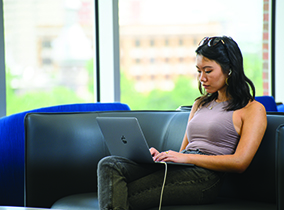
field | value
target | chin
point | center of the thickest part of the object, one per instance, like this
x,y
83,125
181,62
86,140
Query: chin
x,y
208,91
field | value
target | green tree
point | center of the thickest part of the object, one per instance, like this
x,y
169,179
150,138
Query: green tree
x,y
183,93
253,70
37,98
90,70
19,102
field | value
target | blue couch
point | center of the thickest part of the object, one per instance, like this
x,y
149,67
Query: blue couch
x,y
12,147
280,108
270,104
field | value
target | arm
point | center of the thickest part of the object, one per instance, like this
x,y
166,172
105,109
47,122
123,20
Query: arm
x,y
185,139
253,125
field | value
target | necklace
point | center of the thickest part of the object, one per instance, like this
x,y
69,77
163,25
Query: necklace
x,y
212,105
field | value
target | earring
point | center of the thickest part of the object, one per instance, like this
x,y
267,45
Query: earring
x,y
230,72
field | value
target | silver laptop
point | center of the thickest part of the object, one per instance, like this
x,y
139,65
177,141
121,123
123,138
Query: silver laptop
x,y
124,137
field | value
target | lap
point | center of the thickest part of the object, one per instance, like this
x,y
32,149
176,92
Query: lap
x,y
184,184
130,169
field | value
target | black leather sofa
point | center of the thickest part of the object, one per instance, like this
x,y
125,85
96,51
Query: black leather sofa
x,y
63,149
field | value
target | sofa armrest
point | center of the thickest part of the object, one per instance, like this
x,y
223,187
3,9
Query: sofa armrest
x,y
279,166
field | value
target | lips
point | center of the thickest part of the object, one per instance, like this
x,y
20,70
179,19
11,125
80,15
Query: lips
x,y
206,86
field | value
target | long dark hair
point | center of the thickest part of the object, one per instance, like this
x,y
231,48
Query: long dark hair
x,y
226,52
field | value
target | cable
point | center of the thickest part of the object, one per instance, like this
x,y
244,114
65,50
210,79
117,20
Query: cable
x,y
163,186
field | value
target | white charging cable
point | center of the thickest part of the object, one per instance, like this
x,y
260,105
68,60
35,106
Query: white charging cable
x,y
163,186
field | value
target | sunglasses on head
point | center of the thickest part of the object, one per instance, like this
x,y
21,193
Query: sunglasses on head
x,y
211,41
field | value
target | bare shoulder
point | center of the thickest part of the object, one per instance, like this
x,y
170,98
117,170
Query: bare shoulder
x,y
252,114
194,108
255,107
253,110
196,105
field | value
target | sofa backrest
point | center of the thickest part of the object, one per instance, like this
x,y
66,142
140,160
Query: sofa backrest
x,y
62,152
258,181
63,149
12,149
280,166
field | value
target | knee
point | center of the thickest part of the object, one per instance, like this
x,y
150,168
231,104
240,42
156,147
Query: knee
x,y
107,163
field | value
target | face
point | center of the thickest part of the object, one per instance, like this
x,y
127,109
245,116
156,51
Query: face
x,y
210,75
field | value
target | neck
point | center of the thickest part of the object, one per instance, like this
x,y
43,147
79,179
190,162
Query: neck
x,y
219,100
222,96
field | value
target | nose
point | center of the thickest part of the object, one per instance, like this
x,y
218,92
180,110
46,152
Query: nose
x,y
202,77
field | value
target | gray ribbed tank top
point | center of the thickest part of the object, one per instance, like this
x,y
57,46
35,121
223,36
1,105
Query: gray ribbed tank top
x,y
212,131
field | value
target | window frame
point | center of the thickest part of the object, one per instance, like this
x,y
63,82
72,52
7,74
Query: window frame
x,y
106,53
2,65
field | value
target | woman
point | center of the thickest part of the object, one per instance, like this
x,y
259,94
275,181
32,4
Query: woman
x,y
224,131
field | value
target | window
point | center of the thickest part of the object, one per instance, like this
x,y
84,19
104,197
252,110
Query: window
x,y
173,40
49,51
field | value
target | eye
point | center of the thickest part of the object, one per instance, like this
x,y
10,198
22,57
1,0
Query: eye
x,y
207,72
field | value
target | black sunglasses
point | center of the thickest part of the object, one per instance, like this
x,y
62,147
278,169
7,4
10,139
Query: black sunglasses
x,y
211,41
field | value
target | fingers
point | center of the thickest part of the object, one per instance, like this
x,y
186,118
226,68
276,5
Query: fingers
x,y
163,156
154,152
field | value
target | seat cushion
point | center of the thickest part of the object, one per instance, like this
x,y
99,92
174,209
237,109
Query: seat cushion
x,y
225,204
89,201
85,201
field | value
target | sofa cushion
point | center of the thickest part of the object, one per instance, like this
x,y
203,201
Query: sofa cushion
x,y
86,201
89,201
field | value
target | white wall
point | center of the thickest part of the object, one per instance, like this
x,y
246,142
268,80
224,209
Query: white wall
x,y
279,52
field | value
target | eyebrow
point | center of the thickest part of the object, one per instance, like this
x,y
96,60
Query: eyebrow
x,y
205,67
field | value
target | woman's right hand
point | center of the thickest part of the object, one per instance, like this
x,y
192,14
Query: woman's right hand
x,y
154,152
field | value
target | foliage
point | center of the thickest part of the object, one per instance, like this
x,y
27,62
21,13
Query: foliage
x,y
90,69
37,99
253,70
18,102
184,93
